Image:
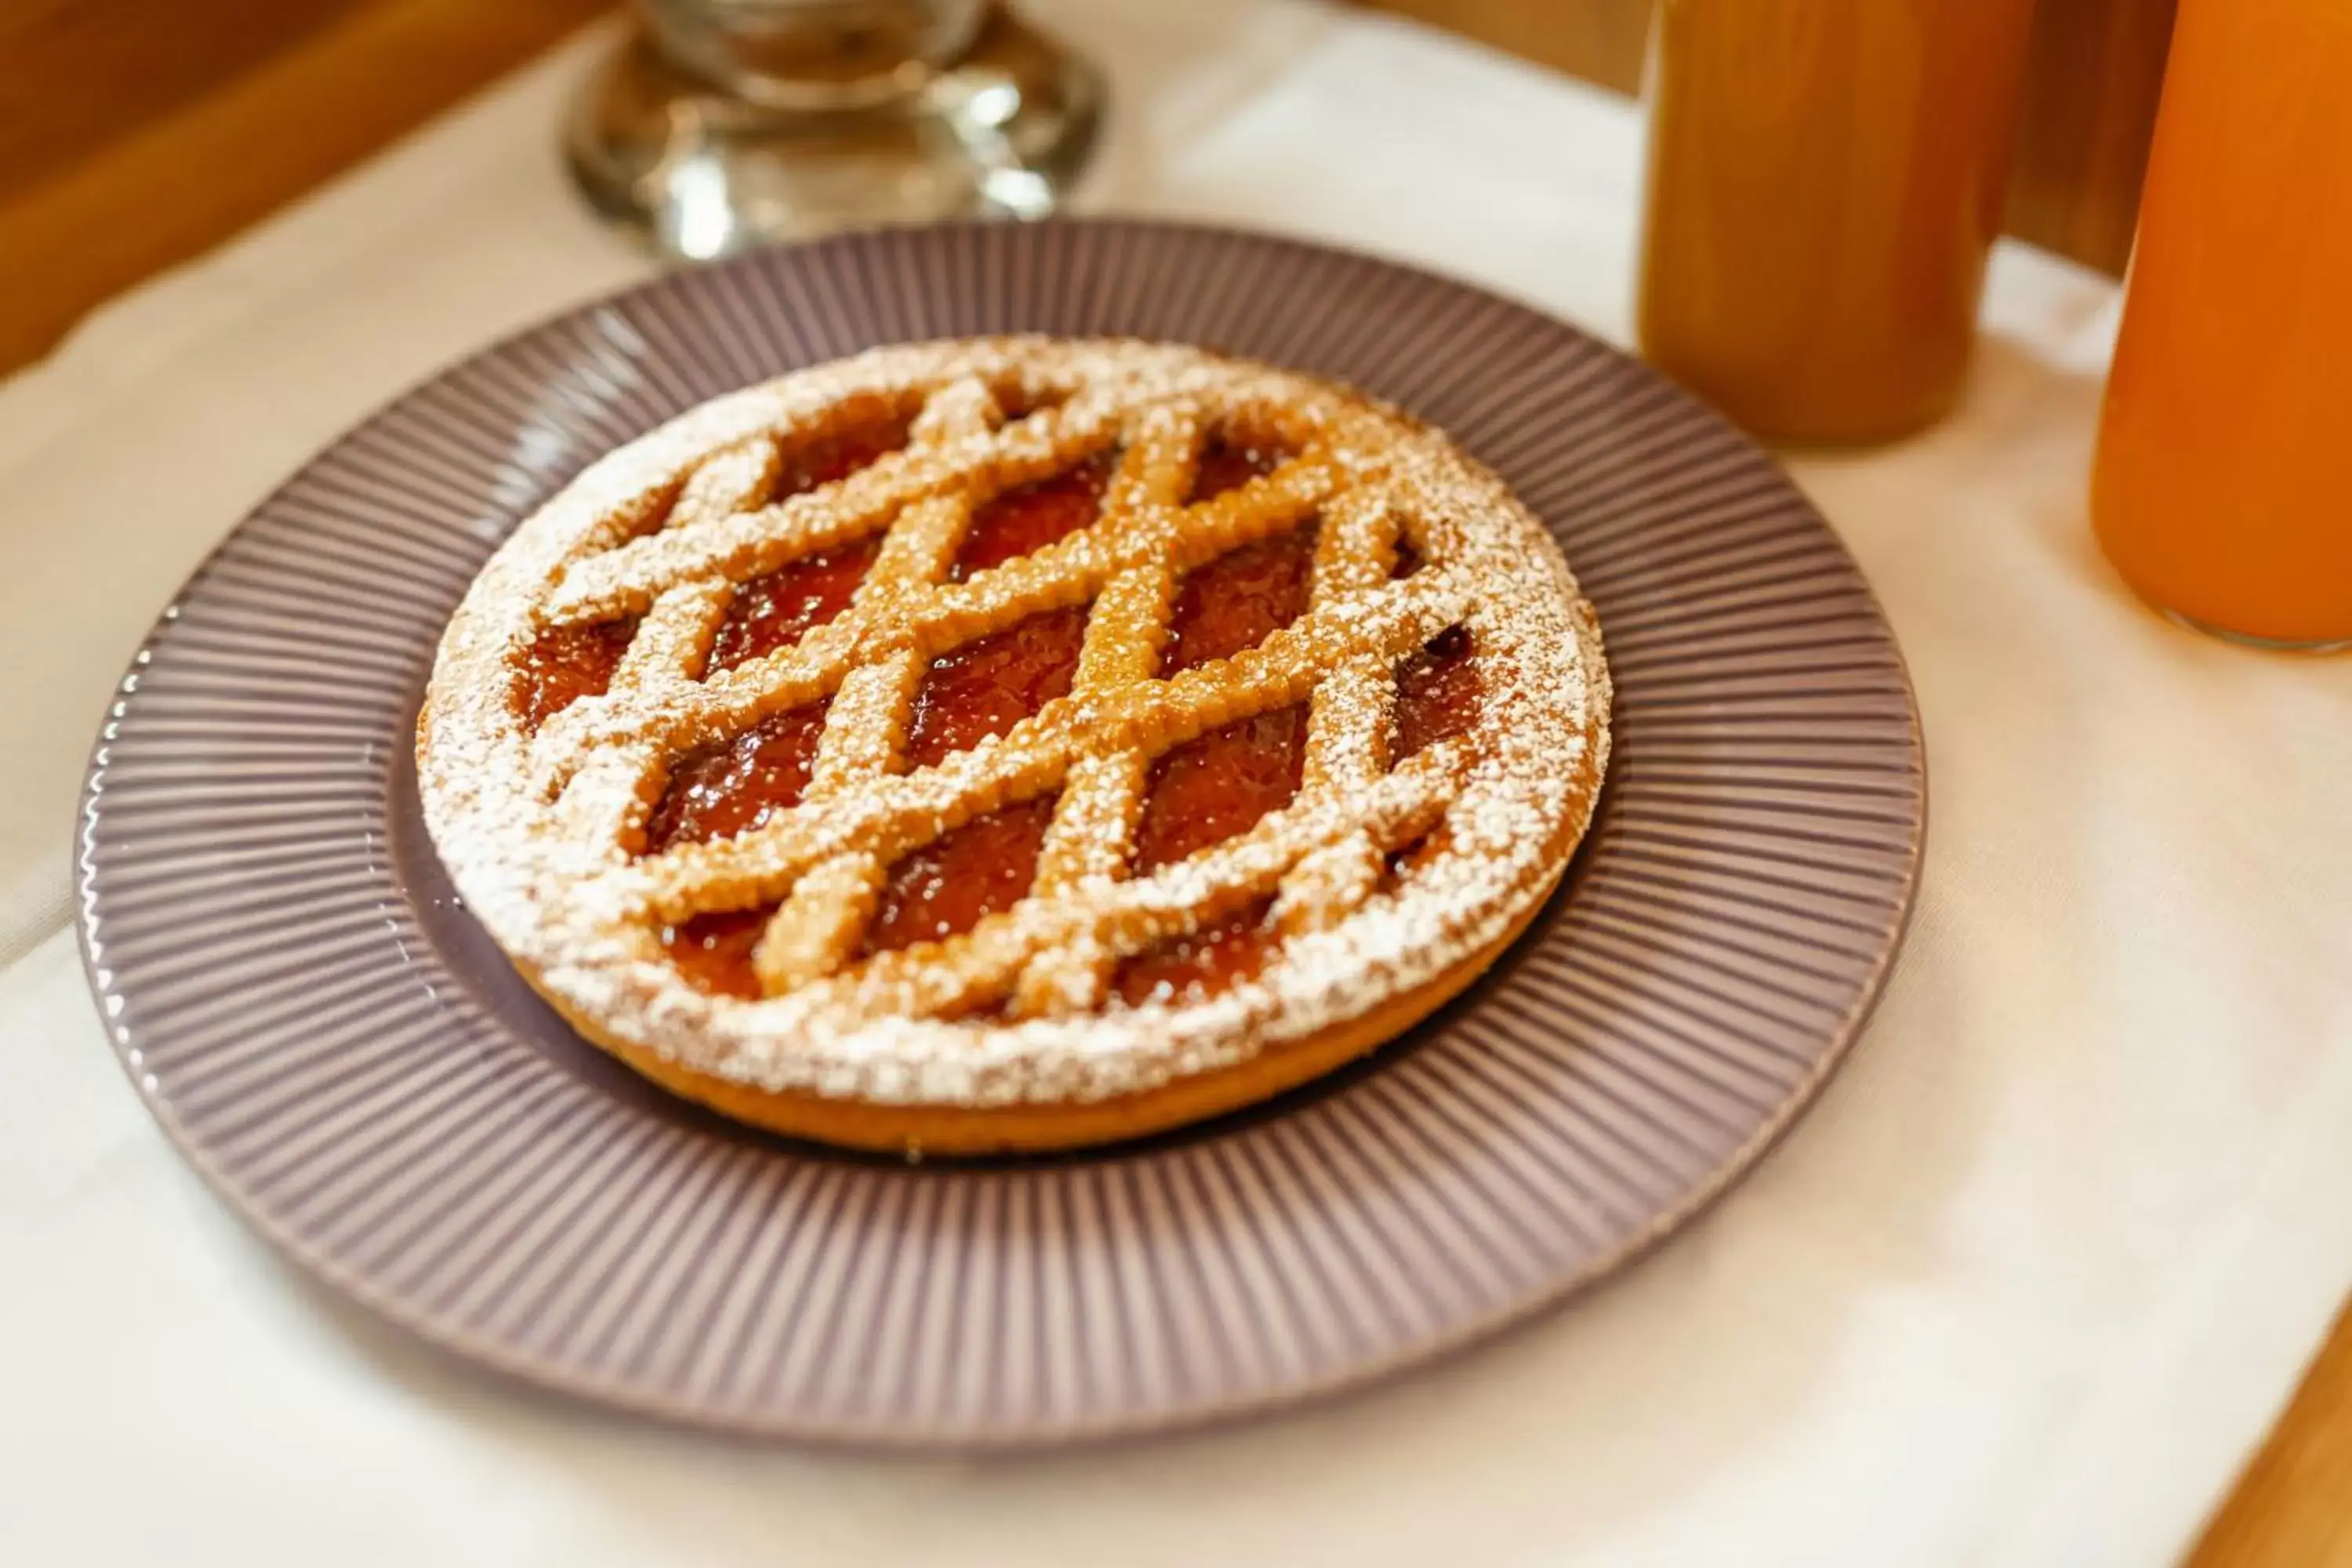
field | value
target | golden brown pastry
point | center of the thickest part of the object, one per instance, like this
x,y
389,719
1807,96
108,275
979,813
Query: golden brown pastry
x,y
1016,743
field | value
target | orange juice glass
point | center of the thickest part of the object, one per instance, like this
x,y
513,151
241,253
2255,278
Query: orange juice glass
x,y
1826,181
2224,482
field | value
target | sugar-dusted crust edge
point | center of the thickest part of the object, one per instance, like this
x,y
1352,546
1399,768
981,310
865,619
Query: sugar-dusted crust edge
x,y
1037,1129
965,1088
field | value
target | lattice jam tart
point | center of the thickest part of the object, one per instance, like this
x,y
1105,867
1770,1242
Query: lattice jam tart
x,y
1014,744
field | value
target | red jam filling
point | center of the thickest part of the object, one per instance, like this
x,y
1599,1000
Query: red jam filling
x,y
985,688
715,951
941,890
1437,695
1203,964
1027,518
1213,788
776,611
1227,465
1407,858
1237,601
951,884
1221,784
1218,787
566,664
735,785
822,459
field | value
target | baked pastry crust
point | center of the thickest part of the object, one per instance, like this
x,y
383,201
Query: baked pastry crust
x,y
1412,847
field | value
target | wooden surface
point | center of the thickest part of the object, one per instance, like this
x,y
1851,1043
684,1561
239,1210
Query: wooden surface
x,y
2292,1508
135,134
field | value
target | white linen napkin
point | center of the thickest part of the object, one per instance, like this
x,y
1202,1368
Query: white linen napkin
x,y
2025,1289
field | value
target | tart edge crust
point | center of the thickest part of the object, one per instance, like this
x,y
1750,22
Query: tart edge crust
x,y
1044,1127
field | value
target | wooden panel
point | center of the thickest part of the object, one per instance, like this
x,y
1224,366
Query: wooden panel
x,y
2092,103
87,83
129,61
168,185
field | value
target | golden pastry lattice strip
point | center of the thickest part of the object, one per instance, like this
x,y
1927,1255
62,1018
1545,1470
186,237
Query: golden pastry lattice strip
x,y
825,857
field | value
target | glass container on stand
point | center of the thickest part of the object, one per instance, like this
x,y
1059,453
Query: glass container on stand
x,y
723,124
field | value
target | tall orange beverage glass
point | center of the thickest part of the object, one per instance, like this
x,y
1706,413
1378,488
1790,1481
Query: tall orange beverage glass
x,y
2224,481
1826,181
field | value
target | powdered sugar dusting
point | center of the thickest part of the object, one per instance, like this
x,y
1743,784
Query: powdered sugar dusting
x,y
537,832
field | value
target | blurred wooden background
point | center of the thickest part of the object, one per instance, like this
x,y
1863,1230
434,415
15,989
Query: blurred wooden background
x,y
2097,68
136,134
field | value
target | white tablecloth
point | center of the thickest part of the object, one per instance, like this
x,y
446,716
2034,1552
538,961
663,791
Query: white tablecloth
x,y
2025,1289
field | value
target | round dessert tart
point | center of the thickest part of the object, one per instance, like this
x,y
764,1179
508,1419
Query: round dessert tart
x,y
1014,744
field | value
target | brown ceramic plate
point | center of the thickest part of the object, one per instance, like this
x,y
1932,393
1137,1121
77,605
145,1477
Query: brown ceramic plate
x,y
358,1072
